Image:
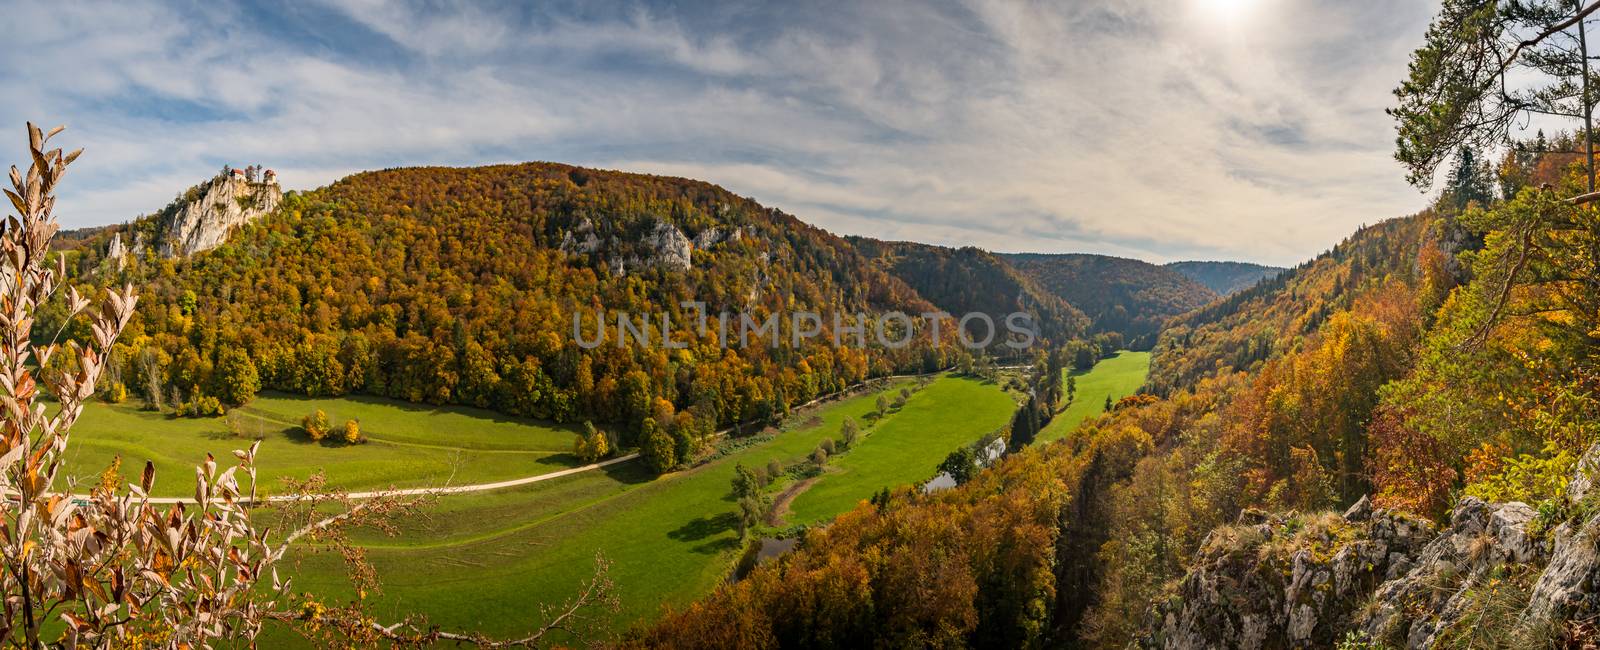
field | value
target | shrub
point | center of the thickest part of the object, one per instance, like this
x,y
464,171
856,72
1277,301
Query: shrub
x,y
659,449
352,432
116,393
849,431
774,469
316,425
590,446
580,449
827,446
200,406
1528,478
819,456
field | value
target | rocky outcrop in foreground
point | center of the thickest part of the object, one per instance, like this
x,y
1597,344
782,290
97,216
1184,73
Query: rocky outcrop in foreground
x,y
1498,575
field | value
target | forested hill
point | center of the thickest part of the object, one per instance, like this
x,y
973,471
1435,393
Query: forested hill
x,y
1248,327
1072,544
969,280
449,285
1121,295
1225,278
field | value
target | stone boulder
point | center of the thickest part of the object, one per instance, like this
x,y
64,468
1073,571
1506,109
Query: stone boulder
x,y
1412,608
1569,588
1285,581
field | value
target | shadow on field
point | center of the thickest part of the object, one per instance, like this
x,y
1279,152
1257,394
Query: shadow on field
x,y
703,527
410,407
629,473
561,460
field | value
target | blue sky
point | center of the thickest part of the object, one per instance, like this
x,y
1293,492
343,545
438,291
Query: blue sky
x,y
1159,129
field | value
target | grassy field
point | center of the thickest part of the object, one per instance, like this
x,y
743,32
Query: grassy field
x,y
409,445
907,446
483,561
1117,376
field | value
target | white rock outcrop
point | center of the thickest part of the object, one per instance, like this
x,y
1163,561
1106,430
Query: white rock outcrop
x,y
669,247
116,252
225,202
1386,577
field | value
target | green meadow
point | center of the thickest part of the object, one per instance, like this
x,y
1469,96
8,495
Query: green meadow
x,y
1117,376
408,445
907,446
485,561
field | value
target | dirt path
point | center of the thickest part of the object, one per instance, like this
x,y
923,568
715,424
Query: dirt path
x,y
446,489
780,507
783,500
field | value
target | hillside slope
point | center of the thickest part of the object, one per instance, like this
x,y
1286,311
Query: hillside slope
x,y
967,280
1122,295
447,285
1275,315
1146,482
1225,278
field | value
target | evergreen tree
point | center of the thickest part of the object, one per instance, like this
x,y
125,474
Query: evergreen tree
x,y
1469,180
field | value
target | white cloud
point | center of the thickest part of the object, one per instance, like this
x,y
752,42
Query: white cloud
x,y
1138,128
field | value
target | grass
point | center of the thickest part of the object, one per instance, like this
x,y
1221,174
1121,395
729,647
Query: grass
x,y
907,446
1117,376
485,561
409,445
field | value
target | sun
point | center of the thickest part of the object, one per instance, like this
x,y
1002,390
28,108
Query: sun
x,y
1219,17
1225,9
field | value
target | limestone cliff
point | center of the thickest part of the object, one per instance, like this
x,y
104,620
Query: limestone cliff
x,y
662,245
116,252
202,219
1497,575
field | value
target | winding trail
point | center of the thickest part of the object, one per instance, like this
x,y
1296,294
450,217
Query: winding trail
x,y
401,492
526,480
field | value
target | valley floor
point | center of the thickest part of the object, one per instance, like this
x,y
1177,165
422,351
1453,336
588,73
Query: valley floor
x,y
408,445
485,561
1116,377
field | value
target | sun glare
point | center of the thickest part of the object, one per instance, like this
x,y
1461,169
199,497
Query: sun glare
x,y
1225,9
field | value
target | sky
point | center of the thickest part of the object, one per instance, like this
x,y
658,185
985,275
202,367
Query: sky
x,y
1158,129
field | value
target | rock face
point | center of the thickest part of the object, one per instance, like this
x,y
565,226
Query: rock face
x,y
662,246
1569,588
116,252
1412,610
1283,581
670,247
223,203
1276,581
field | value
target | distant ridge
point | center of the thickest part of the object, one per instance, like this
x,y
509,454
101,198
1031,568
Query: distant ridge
x,y
1225,278
1118,294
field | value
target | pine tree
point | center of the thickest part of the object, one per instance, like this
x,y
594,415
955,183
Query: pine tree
x,y
1469,180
